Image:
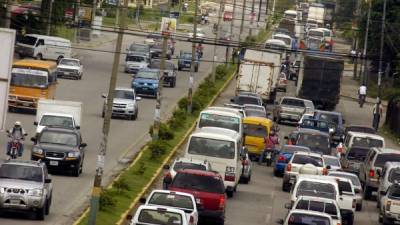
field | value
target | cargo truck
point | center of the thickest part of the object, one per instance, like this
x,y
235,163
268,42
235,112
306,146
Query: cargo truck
x,y
316,12
319,79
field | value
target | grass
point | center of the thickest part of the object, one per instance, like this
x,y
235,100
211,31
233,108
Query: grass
x,y
387,133
64,32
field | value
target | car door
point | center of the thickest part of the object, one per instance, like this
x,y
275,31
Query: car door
x,y
361,174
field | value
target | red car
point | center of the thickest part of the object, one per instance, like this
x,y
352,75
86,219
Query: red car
x,y
228,16
208,189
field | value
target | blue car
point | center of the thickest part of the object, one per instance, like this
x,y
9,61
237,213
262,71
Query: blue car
x,y
335,118
284,156
145,82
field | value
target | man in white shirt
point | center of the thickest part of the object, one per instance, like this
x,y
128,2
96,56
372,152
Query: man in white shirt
x,y
362,92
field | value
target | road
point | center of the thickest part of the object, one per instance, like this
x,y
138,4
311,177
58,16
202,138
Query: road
x,y
71,194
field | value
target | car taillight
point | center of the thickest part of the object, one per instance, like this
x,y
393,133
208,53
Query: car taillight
x,y
281,158
229,176
371,173
353,205
245,162
289,167
221,202
388,204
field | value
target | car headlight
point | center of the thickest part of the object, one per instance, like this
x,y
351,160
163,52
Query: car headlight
x,y
74,154
37,150
36,192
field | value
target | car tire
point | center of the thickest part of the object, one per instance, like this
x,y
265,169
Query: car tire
x,y
285,187
179,68
41,212
229,193
367,192
276,173
76,171
48,204
80,76
103,114
359,207
350,221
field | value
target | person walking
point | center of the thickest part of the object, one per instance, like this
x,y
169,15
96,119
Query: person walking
x,y
377,113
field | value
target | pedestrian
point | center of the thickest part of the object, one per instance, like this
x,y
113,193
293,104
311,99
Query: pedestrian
x,y
377,112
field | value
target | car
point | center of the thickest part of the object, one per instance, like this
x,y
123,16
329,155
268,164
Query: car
x,y
374,162
299,216
335,118
137,48
25,186
174,199
69,67
390,175
280,30
282,82
389,210
353,158
185,61
61,150
146,82
296,162
285,154
255,113
136,61
228,16
124,103
359,128
169,76
156,51
208,189
289,108
247,167
156,215
200,35
318,204
184,163
332,163
255,107
362,140
275,44
242,99
356,184
317,141
315,124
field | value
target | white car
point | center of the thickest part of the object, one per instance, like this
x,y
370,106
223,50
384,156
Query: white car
x,y
389,212
174,199
71,68
332,162
356,184
156,215
299,216
199,34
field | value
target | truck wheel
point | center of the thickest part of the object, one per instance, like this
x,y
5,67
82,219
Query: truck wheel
x,y
367,192
40,213
229,193
76,171
103,114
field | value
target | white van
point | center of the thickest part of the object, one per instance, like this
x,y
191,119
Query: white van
x,y
222,148
222,117
43,47
362,140
290,15
285,38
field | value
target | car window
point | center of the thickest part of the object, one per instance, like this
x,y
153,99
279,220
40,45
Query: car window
x,y
330,118
147,75
293,102
222,121
254,130
21,172
255,112
381,159
307,219
317,143
368,130
149,216
305,159
241,100
394,192
394,175
124,94
57,121
59,138
156,64
345,186
212,147
172,200
331,161
69,62
199,183
186,165
367,142
135,58
316,189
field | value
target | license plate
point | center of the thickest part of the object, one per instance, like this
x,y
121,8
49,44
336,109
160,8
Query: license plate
x,y
144,88
15,201
187,64
53,163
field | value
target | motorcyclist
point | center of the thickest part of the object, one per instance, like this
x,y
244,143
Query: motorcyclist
x,y
17,132
362,92
270,144
199,50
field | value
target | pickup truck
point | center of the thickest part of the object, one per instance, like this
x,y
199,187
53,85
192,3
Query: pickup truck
x,y
135,61
169,76
185,59
124,104
289,108
71,68
146,82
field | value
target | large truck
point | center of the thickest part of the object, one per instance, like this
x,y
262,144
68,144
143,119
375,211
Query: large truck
x,y
259,72
319,79
290,25
316,12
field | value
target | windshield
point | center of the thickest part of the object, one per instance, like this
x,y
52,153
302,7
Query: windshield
x,y
69,62
316,189
59,138
331,161
186,56
315,123
148,75
394,192
394,175
253,130
317,143
155,64
139,48
286,40
241,100
124,94
21,172
256,113
172,200
135,58
186,165
317,206
315,33
211,184
330,118
306,219
290,16
293,102
381,159
57,121
306,159
28,40
357,154
368,130
212,147
159,217
29,78
215,120
367,142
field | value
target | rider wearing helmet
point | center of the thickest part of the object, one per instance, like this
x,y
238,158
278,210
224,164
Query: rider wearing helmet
x,y
17,132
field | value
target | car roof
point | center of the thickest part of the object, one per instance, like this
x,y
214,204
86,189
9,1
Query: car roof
x,y
124,89
282,35
74,59
317,178
311,131
308,154
199,173
259,107
190,160
386,150
298,147
275,41
223,112
328,112
223,109
342,173
48,37
309,212
248,95
255,119
156,208
360,134
23,162
315,198
149,70
171,192
217,133
61,130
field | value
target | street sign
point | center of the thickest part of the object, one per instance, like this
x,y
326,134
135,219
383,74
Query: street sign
x,y
7,38
168,25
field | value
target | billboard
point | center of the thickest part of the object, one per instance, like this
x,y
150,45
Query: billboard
x,y
168,25
7,38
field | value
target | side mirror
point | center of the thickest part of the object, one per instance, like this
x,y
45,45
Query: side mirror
x,y
279,221
138,98
47,180
35,123
103,95
288,205
33,139
83,145
78,127
166,167
142,200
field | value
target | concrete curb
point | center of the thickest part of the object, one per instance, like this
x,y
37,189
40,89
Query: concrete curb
x,y
356,100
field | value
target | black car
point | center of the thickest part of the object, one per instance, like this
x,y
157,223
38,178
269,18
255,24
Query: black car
x,y
245,98
317,141
61,149
169,76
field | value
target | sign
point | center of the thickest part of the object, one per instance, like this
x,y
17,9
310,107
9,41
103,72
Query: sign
x,y
168,25
174,15
85,13
7,38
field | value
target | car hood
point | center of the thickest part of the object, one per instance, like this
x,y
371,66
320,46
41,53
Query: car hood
x,y
144,80
68,67
23,184
55,147
123,101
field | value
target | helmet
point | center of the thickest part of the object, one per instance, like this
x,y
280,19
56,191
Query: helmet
x,y
272,132
17,123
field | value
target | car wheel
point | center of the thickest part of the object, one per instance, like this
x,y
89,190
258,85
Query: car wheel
x,y
367,192
229,193
103,114
350,220
378,204
40,213
76,171
179,68
276,173
47,211
245,180
80,76
359,207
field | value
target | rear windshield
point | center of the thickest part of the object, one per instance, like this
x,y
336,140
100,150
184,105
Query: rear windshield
x,y
150,216
306,219
257,113
316,189
367,142
215,120
317,143
305,159
199,183
21,172
212,147
135,58
357,154
255,130
345,186
185,165
394,175
172,200
368,130
317,206
139,48
394,192
353,179
241,100
381,159
330,118
331,161
293,102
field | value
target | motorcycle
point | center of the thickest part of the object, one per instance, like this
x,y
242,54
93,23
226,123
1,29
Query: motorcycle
x,y
361,100
15,146
268,156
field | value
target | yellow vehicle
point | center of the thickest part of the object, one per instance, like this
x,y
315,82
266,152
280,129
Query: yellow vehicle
x,y
256,129
30,81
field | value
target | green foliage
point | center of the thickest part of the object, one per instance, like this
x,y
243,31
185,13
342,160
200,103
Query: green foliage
x,y
142,168
165,133
178,119
221,71
107,200
121,185
158,148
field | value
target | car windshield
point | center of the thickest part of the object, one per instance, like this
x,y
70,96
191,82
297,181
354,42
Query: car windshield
x,y
187,165
394,175
317,143
254,130
381,159
331,161
186,56
315,124
293,102
28,40
138,48
368,130
315,33
155,64
29,78
124,94
394,192
203,183
215,120
59,138
367,142
172,200
317,206
147,75
316,189
307,219
57,121
255,112
241,100
357,154
69,62
21,172
159,217
332,118
306,159
135,58
212,147
354,179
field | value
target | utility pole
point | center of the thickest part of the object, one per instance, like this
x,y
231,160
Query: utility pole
x,y
8,13
137,11
94,9
273,9
259,11
192,66
76,20
364,55
377,113
48,27
116,22
215,58
252,18
231,31
243,18
94,202
267,15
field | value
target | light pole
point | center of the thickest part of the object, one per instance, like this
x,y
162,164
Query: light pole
x,y
364,55
221,9
192,63
48,27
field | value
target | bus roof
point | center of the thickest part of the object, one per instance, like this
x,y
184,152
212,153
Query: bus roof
x,y
35,64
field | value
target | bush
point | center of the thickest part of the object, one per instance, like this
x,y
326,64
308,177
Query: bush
x,y
141,169
158,148
178,119
165,133
107,199
221,72
121,185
